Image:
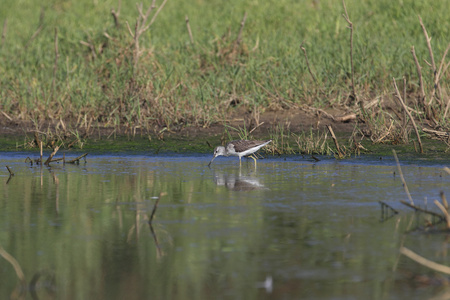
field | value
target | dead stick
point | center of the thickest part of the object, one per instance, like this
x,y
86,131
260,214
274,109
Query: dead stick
x,y
156,206
403,178
49,159
76,159
335,141
116,14
441,217
387,205
399,97
425,262
11,173
189,30
41,150
444,211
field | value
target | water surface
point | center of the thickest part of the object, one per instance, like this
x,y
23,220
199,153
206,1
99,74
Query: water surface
x,y
289,229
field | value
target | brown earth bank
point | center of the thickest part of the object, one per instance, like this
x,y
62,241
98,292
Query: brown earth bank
x,y
295,120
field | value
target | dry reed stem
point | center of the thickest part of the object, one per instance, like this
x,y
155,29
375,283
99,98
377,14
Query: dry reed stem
x,y
241,29
41,151
441,66
91,47
447,106
5,29
6,115
444,200
442,208
399,97
141,26
425,262
350,26
402,178
38,30
405,119
428,39
307,63
191,37
55,66
419,73
437,77
433,64
330,129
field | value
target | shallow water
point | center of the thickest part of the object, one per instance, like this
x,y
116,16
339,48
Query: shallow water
x,y
289,229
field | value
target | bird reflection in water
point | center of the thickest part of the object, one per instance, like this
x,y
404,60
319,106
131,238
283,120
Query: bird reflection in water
x,y
238,182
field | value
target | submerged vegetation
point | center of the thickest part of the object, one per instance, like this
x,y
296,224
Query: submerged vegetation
x,y
78,66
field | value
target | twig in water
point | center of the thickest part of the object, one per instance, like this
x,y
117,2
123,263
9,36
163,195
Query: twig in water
x,y
399,97
11,173
350,26
155,238
442,208
41,151
425,262
76,159
156,206
402,178
384,204
49,159
191,37
444,200
429,212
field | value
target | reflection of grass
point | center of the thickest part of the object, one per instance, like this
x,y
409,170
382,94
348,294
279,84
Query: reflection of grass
x,y
92,71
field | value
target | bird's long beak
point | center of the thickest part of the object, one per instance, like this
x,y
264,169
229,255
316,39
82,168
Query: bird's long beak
x,y
212,160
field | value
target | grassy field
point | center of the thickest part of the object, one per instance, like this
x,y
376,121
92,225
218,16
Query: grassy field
x,y
70,63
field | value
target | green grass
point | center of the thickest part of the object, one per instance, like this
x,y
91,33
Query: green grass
x,y
179,84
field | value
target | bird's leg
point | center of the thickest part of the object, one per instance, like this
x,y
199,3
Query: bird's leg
x,y
253,159
240,162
